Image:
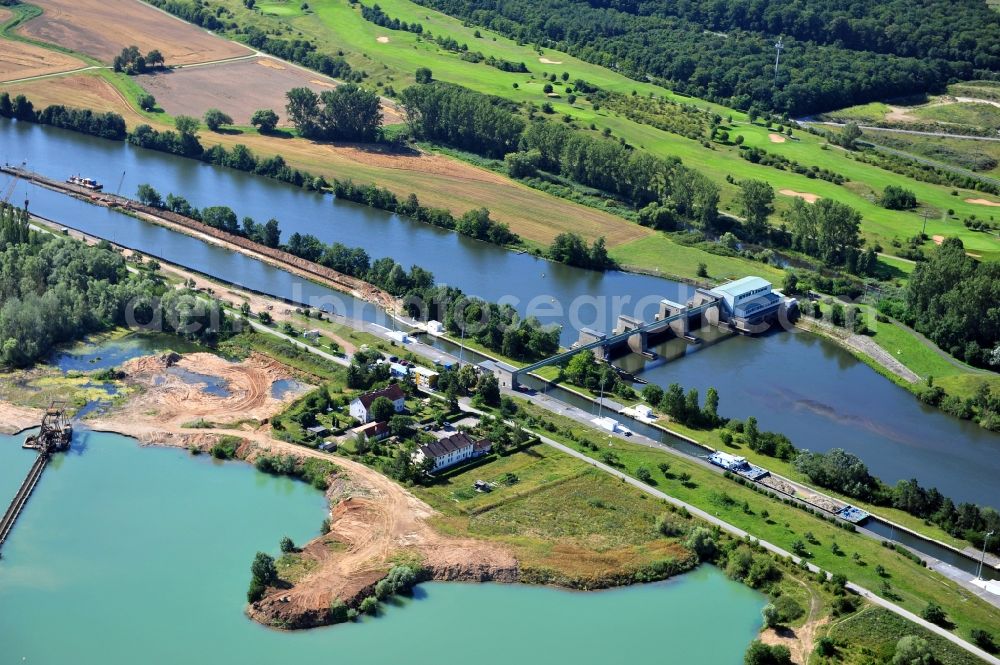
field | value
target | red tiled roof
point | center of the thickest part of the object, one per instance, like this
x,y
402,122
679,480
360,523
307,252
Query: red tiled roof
x,y
391,393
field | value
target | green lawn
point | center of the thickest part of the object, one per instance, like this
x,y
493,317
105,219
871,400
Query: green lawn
x,y
656,251
911,586
566,521
863,113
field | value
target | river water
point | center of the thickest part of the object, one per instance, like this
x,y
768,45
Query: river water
x,y
127,554
794,383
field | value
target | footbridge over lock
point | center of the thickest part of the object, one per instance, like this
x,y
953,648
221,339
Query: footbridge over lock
x,y
630,333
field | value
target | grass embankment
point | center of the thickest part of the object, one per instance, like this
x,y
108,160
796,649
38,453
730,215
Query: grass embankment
x,y
909,584
920,356
566,522
874,632
712,438
339,26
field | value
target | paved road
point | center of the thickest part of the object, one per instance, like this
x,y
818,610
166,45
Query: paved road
x,y
945,135
740,533
54,74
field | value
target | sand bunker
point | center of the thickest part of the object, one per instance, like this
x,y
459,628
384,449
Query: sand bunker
x,y
271,64
323,83
983,202
809,198
382,40
776,138
546,61
937,239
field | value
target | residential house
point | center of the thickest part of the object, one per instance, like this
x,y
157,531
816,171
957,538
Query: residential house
x,y
372,431
452,450
361,404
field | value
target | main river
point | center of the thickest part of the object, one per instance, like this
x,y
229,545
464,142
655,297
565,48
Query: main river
x,y
794,383
141,555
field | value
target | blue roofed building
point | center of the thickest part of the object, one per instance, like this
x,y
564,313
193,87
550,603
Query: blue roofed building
x,y
750,304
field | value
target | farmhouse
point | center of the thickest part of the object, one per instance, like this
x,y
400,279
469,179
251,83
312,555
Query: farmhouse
x,y
361,405
451,450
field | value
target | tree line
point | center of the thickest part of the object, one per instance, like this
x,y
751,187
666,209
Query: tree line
x,y
300,51
184,141
837,469
376,15
492,127
844,472
106,125
651,41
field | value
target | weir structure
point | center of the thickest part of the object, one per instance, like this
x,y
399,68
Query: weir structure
x,y
630,333
53,436
748,305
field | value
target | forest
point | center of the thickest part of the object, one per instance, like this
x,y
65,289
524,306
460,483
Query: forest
x,y
835,54
955,300
56,290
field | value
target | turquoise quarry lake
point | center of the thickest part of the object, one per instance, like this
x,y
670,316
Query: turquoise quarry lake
x,y
133,555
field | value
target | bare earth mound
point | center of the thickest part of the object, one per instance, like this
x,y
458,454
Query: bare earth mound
x,y
983,202
776,138
102,28
809,198
16,418
19,60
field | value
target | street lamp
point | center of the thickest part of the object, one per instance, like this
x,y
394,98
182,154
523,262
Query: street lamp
x,y
986,539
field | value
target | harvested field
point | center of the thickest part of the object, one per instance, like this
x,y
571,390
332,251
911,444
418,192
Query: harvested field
x,y
77,90
102,28
439,181
20,60
983,202
809,198
776,138
194,90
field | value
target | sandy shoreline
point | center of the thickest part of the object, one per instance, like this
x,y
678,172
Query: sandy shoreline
x,y
373,520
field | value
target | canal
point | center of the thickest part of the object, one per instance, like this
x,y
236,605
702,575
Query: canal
x,y
794,383
129,569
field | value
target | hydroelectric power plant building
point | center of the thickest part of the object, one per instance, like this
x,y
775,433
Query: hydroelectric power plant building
x,y
748,305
